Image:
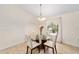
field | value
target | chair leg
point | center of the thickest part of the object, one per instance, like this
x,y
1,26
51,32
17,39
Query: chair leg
x,y
31,51
39,49
27,50
44,50
55,50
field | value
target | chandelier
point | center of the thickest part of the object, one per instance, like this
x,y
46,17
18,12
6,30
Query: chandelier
x,y
41,17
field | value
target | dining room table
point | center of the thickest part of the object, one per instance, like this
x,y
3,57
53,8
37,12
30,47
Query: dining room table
x,y
43,40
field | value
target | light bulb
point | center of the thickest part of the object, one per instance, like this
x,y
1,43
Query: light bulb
x,y
42,18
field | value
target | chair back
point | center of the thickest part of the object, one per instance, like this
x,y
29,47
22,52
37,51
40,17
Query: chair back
x,y
53,35
39,38
28,39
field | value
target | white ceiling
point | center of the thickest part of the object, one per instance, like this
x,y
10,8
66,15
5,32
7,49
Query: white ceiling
x,y
50,9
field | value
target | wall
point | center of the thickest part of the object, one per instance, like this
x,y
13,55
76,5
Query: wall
x,y
14,23
69,32
70,23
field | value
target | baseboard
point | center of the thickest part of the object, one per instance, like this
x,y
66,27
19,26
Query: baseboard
x,y
68,44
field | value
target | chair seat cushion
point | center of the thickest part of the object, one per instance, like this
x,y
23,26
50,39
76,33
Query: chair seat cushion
x,y
49,43
33,45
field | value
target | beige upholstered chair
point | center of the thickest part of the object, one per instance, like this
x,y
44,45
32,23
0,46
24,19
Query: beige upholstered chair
x,y
31,44
51,43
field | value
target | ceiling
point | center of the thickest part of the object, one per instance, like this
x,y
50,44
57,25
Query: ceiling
x,y
50,9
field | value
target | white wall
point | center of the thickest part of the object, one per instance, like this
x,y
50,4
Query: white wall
x,y
14,23
70,23
70,27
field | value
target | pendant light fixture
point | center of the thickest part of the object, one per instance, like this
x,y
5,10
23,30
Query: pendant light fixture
x,y
41,17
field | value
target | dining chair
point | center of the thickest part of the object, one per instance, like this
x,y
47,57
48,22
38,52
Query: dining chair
x,y
51,41
31,44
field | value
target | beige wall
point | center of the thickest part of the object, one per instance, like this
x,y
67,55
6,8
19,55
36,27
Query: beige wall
x,y
70,23
14,23
70,27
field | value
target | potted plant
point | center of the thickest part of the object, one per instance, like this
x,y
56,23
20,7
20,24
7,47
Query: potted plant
x,y
52,28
